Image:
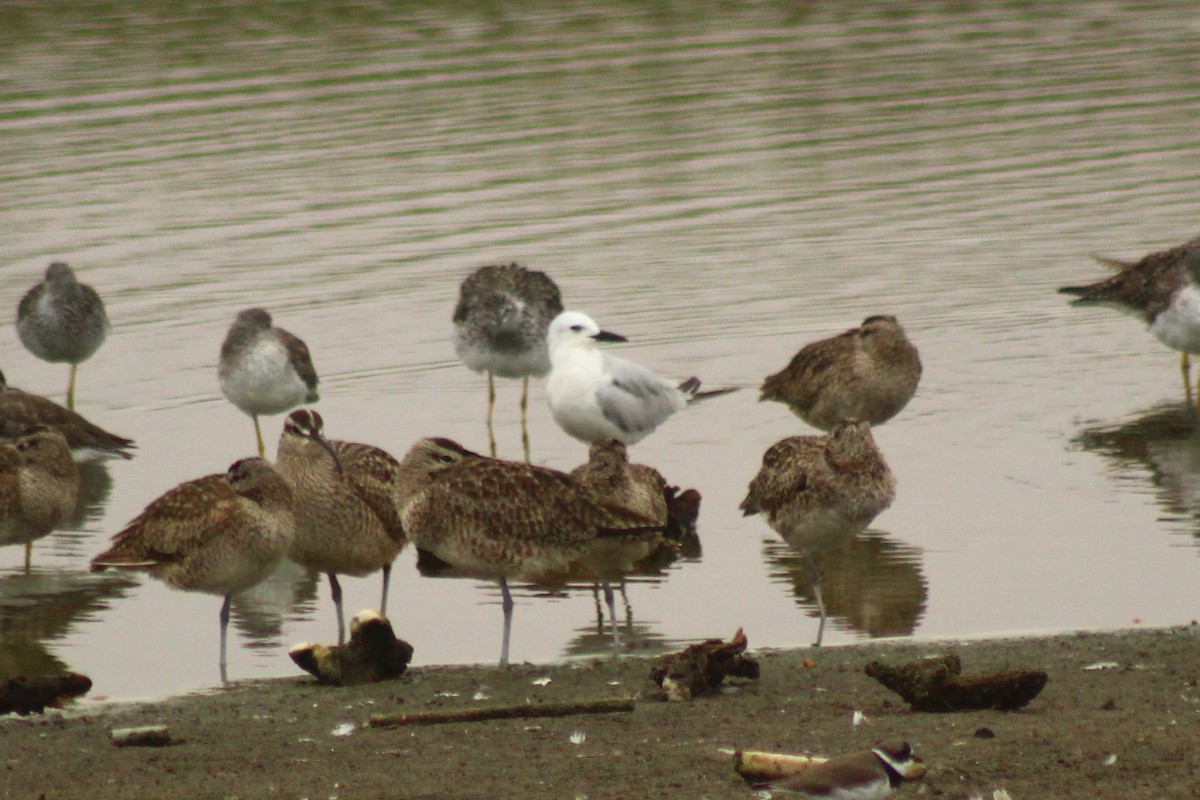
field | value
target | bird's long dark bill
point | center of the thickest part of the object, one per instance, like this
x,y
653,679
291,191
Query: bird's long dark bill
x,y
609,336
319,439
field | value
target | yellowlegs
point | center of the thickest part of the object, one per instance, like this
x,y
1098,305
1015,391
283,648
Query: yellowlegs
x,y
220,534
263,369
502,520
62,320
20,410
871,775
868,373
39,486
347,519
500,327
818,492
1162,290
595,396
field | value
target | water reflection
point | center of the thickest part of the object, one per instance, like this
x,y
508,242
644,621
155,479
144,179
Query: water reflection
x,y
872,585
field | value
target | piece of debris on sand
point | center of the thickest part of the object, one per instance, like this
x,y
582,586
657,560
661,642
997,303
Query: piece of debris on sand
x,y
31,695
935,684
372,654
702,668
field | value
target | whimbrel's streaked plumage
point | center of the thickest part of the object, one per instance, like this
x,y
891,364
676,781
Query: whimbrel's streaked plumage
x,y
61,320
21,410
39,486
1162,289
502,520
595,396
347,518
821,491
220,534
500,325
868,373
264,370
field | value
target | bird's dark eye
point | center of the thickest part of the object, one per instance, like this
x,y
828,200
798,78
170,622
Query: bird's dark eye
x,y
445,459
577,328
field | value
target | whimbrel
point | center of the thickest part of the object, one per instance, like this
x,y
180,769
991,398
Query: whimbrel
x,y
263,369
21,410
500,325
39,486
502,520
62,320
1163,290
821,491
868,373
220,534
347,519
596,396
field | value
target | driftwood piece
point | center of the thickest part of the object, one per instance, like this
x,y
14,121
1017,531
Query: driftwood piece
x,y
758,767
522,711
144,736
702,668
372,654
29,695
935,684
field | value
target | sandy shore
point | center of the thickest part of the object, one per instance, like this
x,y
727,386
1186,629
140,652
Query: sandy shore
x,y
1119,718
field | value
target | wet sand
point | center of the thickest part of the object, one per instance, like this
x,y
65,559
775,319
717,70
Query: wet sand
x,y
1119,718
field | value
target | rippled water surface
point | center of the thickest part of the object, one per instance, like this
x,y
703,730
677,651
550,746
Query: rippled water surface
x,y
719,183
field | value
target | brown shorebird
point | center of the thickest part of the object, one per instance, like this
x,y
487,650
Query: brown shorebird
x,y
1162,289
871,775
39,486
868,373
595,396
347,519
500,326
264,370
819,492
220,534
61,320
20,410
502,520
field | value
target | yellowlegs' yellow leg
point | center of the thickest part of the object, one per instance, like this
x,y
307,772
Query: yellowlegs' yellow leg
x,y
491,408
71,389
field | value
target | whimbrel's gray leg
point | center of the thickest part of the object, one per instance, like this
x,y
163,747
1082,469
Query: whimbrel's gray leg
x,y
816,582
28,555
1185,364
507,604
71,388
387,577
336,589
224,628
262,450
525,416
612,614
491,407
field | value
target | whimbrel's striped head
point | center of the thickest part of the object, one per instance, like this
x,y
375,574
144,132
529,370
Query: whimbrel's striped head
x,y
306,423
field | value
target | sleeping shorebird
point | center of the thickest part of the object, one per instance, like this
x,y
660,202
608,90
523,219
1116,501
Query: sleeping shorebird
x,y
500,327
595,396
505,520
62,320
819,492
220,534
347,519
263,369
1163,290
868,373
871,775
20,410
39,486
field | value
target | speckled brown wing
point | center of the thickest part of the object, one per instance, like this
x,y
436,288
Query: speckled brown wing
x,y
800,383
790,468
1145,286
174,525
373,474
10,484
20,410
302,362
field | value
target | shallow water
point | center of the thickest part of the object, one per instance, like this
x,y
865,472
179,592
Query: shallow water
x,y
719,184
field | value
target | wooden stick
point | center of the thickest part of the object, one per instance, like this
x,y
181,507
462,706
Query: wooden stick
x,y
606,706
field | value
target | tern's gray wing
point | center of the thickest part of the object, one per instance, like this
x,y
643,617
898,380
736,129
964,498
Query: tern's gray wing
x,y
636,401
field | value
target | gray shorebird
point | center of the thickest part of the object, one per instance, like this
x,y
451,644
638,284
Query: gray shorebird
x,y
220,534
595,396
818,492
263,369
1162,289
504,520
868,373
347,517
21,410
39,486
871,775
500,325
61,320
